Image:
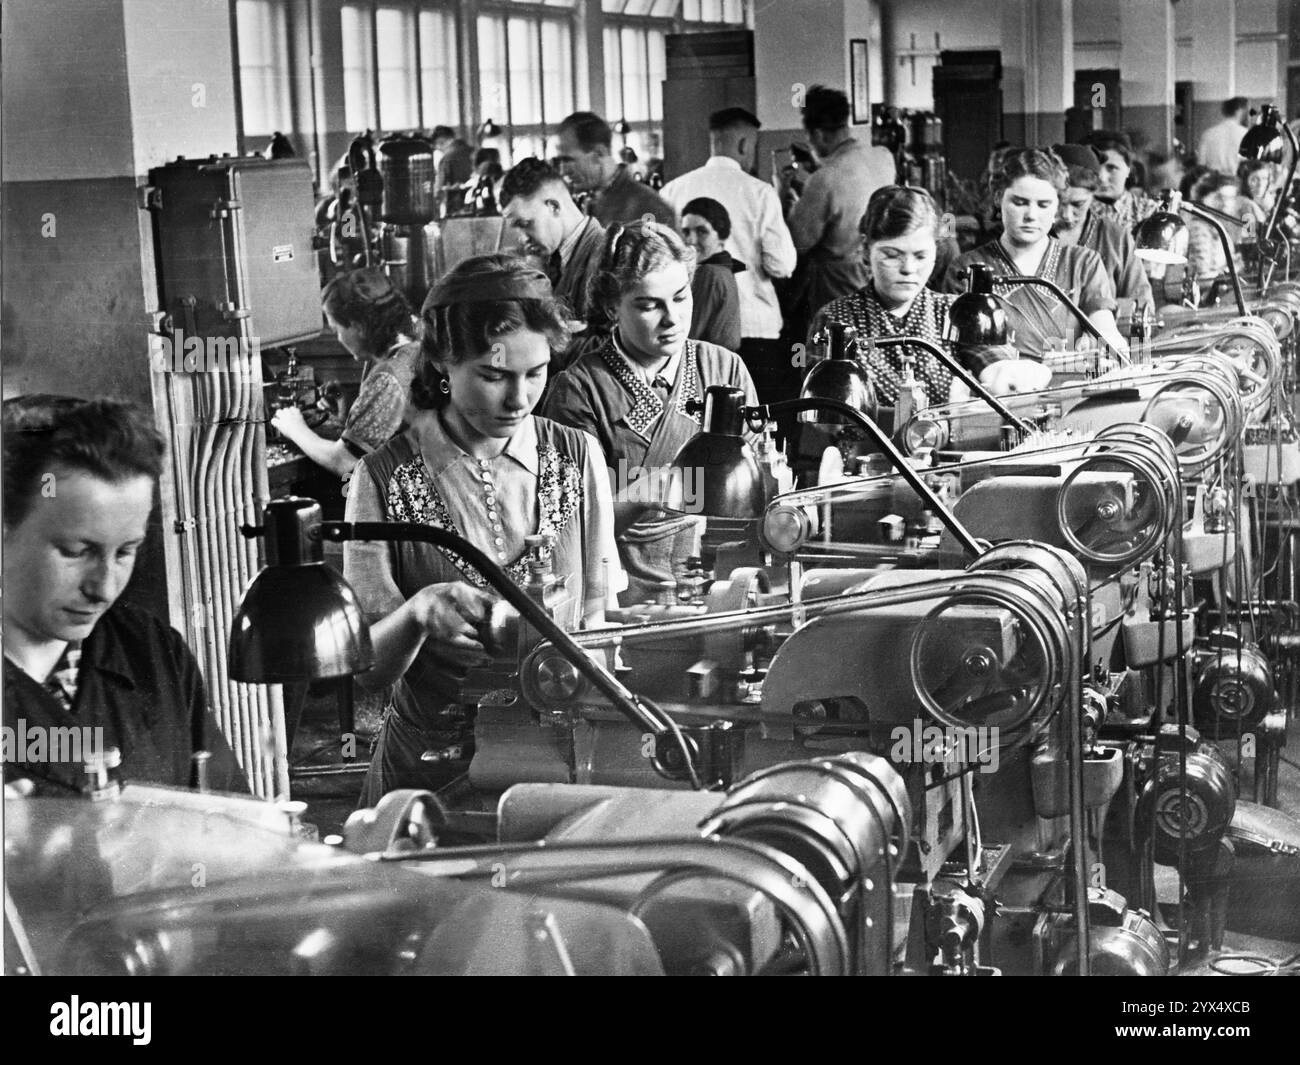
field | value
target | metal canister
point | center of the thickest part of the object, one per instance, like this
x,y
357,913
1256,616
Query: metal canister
x,y
406,164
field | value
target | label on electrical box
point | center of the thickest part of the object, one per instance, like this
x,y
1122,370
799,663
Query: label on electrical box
x,y
282,253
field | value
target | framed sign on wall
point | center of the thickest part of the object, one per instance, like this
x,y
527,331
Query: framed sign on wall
x,y
860,94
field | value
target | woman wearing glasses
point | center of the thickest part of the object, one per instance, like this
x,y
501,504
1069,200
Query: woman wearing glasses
x,y
900,235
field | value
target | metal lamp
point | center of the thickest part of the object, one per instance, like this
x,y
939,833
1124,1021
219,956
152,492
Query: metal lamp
x,y
1162,238
301,621
1268,140
736,471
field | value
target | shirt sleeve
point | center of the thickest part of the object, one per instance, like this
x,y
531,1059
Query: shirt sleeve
x,y
603,575
1133,282
569,403
377,413
1096,290
368,565
776,248
707,318
809,217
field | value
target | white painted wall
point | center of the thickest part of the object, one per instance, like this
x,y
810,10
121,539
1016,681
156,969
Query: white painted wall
x,y
970,24
57,70
181,68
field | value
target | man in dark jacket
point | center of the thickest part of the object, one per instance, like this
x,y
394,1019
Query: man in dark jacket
x,y
82,672
585,144
716,316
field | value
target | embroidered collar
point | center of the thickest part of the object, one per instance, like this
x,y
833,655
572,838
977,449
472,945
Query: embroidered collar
x,y
413,497
646,405
439,450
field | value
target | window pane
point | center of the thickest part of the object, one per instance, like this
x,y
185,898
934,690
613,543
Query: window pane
x,y
733,11
523,146
638,7
263,68
525,81
358,69
658,72
493,94
691,10
613,75
438,80
614,7
397,81
636,104
665,8
557,71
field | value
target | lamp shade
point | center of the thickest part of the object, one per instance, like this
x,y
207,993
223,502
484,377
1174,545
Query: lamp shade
x,y
299,620
1265,140
977,317
716,473
1162,238
839,379
489,129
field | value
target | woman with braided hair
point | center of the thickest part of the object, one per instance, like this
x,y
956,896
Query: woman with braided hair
x,y
477,462
373,321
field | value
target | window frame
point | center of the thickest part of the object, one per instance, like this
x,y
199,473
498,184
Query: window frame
x,y
411,9
535,14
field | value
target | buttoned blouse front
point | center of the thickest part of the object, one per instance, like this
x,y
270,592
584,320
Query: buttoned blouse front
x,y
548,479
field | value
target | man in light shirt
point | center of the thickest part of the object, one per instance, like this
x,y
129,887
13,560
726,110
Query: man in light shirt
x,y
824,219
759,237
1219,143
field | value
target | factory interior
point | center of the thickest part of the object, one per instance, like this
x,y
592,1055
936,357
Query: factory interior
x,y
651,487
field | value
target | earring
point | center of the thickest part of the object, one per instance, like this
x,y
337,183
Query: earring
x,y
444,386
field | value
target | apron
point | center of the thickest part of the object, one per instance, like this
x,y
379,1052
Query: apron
x,y
657,544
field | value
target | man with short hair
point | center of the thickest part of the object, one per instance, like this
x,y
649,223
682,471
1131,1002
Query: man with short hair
x,y
1218,148
759,237
824,219
536,202
585,141
79,482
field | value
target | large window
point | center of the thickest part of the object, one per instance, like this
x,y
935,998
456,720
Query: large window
x,y
263,68
399,66
723,12
525,66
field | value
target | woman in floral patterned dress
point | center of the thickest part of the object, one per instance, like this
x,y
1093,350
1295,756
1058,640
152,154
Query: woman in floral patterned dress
x,y
477,462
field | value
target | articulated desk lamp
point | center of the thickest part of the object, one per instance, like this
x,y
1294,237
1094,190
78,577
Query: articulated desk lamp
x,y
1162,237
976,322
1268,140
300,621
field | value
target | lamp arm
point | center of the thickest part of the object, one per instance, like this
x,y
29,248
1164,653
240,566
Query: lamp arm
x,y
959,371
1279,202
1075,309
652,721
1198,212
900,464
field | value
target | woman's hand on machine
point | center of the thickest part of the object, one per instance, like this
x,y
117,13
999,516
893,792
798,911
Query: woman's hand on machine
x,y
289,422
449,614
